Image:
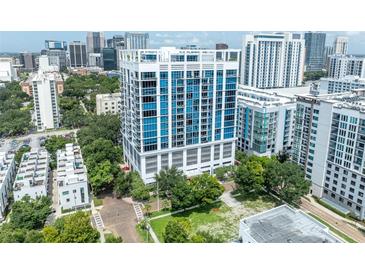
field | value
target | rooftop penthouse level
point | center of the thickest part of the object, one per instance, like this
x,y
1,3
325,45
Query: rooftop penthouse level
x,y
7,173
174,55
32,176
72,178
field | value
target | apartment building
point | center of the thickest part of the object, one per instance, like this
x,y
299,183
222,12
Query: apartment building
x,y
329,142
45,101
333,85
33,175
178,109
73,192
341,45
273,60
265,120
108,103
342,65
7,174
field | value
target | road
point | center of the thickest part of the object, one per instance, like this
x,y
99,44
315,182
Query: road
x,y
331,218
34,137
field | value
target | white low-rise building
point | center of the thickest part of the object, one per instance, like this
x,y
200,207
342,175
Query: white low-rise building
x,y
7,71
72,181
7,173
108,103
32,176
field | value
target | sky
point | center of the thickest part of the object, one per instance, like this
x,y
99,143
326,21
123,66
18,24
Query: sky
x,y
33,41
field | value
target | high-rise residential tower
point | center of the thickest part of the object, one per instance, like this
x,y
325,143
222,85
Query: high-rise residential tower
x,y
265,122
340,45
178,109
314,54
273,60
95,42
45,101
340,66
136,40
78,56
329,142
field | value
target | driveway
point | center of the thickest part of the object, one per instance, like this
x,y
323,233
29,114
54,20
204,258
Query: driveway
x,y
119,217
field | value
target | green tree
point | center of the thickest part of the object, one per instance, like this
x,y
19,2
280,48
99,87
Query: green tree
x,y
101,177
139,191
167,179
74,228
30,213
182,196
14,122
20,152
101,150
55,143
206,189
249,176
111,238
123,184
177,231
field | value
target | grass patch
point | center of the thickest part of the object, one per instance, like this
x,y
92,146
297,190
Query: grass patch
x,y
334,230
97,201
197,217
159,213
144,234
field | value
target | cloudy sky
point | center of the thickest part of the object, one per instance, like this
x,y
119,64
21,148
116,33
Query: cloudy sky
x,y
34,41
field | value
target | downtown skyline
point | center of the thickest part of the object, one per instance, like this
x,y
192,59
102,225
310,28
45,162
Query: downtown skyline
x,y
13,41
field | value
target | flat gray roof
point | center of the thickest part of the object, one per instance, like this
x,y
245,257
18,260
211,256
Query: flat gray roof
x,y
285,225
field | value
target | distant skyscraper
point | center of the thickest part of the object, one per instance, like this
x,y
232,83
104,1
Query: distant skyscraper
x,y
27,59
178,109
342,65
45,101
78,56
116,42
53,54
219,46
109,59
52,44
136,40
340,45
95,42
314,55
273,60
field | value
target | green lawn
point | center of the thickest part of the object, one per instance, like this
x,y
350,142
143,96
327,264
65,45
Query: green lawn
x,y
198,217
218,219
144,235
97,201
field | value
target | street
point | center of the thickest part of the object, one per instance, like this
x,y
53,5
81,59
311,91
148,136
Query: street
x,y
333,219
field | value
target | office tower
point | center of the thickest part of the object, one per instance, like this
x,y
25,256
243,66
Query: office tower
x,y
53,44
32,176
265,121
340,45
48,64
116,42
7,174
95,60
45,101
341,65
78,56
95,42
56,54
329,143
178,109
136,40
108,103
315,50
328,51
72,183
8,72
273,60
27,59
220,46
109,59
347,83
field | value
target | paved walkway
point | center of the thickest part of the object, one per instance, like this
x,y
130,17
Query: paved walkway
x,y
333,219
229,200
119,217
